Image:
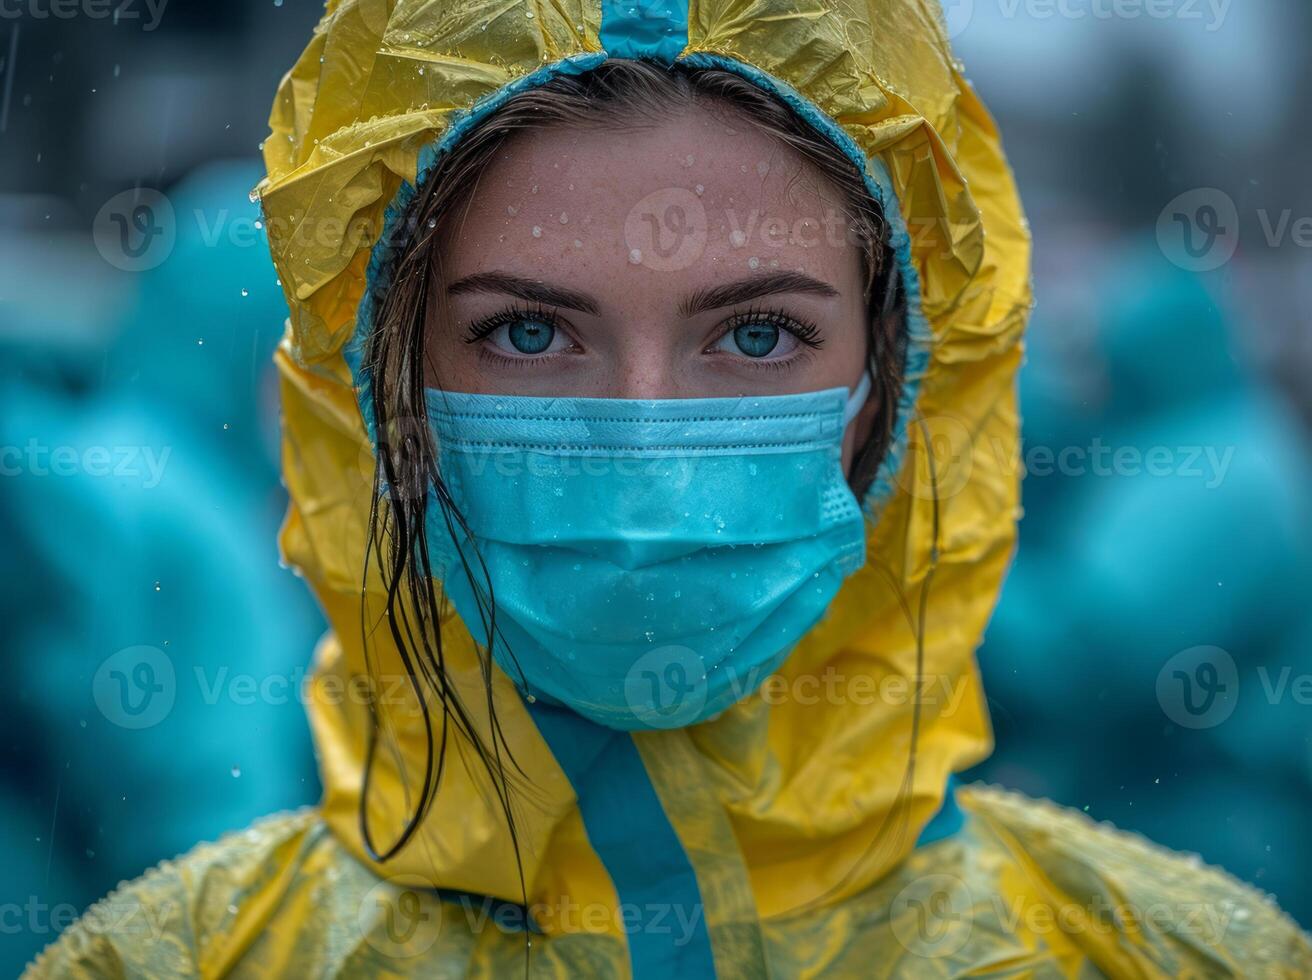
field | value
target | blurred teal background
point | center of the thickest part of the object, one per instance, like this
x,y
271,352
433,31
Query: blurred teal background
x,y
1152,657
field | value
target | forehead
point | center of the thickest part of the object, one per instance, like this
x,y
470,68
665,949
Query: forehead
x,y
694,198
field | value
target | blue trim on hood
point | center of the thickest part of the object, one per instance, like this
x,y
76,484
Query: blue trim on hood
x,y
654,29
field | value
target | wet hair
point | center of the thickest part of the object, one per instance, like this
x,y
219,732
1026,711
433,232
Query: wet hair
x,y
616,95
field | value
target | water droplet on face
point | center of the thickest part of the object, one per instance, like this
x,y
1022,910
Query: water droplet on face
x,y
578,243
635,256
700,190
537,232
512,210
753,262
737,238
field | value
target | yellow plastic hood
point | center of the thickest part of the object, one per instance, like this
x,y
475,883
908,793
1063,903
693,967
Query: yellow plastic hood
x,y
788,800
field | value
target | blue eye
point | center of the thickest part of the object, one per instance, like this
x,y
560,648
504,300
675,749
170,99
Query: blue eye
x,y
756,339
530,336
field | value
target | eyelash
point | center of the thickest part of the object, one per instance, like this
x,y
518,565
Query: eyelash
x,y
806,333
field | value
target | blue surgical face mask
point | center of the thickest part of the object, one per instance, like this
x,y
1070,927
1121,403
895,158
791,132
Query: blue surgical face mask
x,y
651,562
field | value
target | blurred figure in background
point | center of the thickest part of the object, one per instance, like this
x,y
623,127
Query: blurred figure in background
x,y
1165,544
140,503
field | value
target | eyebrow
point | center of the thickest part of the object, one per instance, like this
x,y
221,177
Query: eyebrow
x,y
699,301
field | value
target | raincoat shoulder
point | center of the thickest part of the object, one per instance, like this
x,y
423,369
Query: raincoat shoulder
x,y
1023,882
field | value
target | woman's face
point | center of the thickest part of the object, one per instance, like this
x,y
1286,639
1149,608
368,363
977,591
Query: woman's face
x,y
694,258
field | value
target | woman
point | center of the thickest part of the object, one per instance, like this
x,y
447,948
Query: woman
x,y
651,437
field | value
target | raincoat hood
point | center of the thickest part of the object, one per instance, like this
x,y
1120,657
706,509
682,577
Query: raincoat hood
x,y
781,802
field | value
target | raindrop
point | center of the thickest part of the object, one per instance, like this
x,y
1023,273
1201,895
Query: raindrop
x,y
236,772
245,291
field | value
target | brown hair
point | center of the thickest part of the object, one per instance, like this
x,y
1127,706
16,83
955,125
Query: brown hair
x,y
617,94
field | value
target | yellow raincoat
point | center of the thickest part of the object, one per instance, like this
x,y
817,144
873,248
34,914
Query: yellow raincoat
x,y
788,837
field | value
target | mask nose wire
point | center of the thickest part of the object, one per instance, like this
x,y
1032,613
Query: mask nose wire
x,y
857,400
